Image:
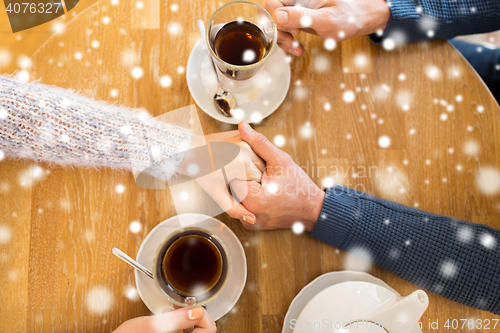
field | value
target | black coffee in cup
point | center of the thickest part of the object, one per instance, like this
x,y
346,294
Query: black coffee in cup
x,y
191,266
240,43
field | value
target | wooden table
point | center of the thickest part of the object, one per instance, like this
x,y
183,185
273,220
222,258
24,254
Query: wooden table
x,y
56,233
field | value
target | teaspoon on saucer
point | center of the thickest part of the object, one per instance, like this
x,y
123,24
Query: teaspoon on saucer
x,y
223,99
120,254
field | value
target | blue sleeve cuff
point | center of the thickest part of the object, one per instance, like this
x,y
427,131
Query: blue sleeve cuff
x,y
337,217
403,25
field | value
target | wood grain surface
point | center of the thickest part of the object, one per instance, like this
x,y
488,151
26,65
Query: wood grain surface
x,y
57,271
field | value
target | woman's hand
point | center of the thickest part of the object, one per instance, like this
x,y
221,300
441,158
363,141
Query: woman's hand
x,y
169,321
286,195
247,166
336,19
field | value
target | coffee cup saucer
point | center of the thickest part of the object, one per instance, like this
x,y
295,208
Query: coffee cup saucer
x,y
253,110
153,297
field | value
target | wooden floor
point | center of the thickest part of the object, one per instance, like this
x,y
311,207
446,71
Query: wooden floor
x,y
56,232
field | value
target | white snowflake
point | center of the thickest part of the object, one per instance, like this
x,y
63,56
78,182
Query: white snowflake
x,y
448,269
384,141
348,96
306,21
388,44
137,72
465,234
135,227
279,140
131,293
99,300
120,188
488,241
330,44
298,228
5,234
488,180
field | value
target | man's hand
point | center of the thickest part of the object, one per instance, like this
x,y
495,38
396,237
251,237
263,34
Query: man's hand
x,y
336,19
169,321
247,167
286,195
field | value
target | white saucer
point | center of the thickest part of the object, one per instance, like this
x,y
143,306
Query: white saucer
x,y
266,102
321,283
152,296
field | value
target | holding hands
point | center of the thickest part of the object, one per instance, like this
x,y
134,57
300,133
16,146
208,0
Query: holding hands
x,y
285,195
335,19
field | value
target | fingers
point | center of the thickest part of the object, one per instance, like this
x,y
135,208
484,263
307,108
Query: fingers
x,y
241,213
183,319
288,44
260,144
251,190
250,155
290,18
272,5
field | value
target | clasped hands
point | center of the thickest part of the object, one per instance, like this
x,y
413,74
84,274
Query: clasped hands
x,y
279,196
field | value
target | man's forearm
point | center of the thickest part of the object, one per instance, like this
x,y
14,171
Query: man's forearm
x,y
455,259
416,20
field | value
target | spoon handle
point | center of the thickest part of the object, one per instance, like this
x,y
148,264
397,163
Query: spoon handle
x,y
120,254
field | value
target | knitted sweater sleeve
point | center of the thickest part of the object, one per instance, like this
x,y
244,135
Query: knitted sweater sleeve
x,y
455,259
57,126
418,20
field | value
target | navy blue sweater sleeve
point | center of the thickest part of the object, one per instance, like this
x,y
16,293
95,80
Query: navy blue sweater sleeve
x,y
456,259
417,20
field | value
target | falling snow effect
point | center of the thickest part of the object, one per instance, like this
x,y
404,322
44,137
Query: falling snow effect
x,y
249,56
471,148
384,141
448,269
306,131
131,293
193,169
358,259
135,227
348,96
184,195
330,44
137,72
5,234
272,188
2,155
321,64
120,188
298,228
433,72
279,140
388,44
488,180
31,175
174,28
305,21
99,300
488,241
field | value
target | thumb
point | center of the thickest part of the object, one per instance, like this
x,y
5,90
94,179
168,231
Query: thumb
x,y
259,143
295,17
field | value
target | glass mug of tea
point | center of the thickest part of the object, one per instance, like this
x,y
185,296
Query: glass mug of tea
x,y
191,266
240,37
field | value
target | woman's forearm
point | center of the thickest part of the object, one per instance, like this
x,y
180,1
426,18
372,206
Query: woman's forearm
x,y
456,259
54,125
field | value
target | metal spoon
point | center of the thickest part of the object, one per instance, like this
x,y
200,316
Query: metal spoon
x,y
223,100
120,254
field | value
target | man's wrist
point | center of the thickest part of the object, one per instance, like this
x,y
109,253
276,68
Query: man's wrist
x,y
378,18
314,211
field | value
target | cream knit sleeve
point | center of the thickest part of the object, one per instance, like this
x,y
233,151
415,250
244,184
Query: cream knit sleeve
x,y
54,125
